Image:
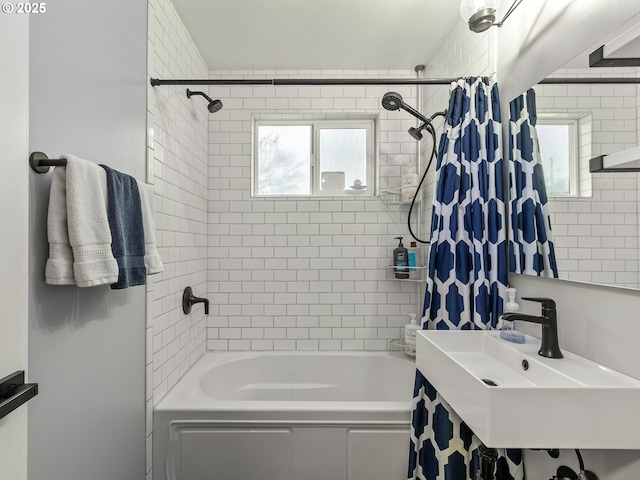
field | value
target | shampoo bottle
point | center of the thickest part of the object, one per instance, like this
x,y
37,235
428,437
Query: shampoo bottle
x,y
410,330
413,259
400,261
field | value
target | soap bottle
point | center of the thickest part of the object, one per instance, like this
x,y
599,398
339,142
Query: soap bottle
x,y
413,259
410,330
409,185
507,332
400,264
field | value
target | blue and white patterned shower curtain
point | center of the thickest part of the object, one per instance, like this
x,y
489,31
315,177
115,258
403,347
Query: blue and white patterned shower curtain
x,y
531,243
467,273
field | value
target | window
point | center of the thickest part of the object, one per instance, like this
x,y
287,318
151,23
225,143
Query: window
x,y
559,154
313,158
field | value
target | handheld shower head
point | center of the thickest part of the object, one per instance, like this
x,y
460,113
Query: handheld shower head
x,y
214,105
392,101
416,133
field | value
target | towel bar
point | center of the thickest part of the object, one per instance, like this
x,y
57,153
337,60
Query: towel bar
x,y
40,163
14,392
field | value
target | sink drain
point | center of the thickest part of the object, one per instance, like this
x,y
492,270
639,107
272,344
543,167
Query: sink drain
x,y
489,382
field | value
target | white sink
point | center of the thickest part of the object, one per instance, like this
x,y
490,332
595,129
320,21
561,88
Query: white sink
x,y
555,403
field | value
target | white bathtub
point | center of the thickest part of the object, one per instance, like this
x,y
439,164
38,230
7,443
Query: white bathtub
x,y
286,416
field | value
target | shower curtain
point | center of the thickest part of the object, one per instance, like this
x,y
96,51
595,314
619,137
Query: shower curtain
x,y
531,243
467,273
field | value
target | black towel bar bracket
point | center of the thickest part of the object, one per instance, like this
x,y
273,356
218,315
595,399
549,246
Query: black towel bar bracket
x,y
40,163
14,392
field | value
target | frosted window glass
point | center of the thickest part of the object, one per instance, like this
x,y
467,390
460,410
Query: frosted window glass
x,y
555,151
284,160
344,150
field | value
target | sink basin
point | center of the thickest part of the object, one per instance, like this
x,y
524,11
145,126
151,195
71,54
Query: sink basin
x,y
511,397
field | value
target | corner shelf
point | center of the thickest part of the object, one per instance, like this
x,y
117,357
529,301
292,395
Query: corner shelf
x,y
393,196
396,348
392,200
416,274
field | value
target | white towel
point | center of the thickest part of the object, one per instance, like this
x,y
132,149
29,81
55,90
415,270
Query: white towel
x,y
88,225
152,259
59,267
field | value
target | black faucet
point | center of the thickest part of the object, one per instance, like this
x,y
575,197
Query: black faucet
x,y
549,322
189,299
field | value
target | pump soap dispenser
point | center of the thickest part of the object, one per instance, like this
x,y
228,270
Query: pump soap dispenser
x,y
507,332
400,261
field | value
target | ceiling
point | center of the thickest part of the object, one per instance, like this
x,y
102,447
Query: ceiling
x,y
317,34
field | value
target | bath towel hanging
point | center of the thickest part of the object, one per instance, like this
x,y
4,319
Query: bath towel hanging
x,y
89,235
152,259
59,266
124,211
467,273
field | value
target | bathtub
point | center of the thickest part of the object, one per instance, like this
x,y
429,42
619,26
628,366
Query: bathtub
x,y
286,416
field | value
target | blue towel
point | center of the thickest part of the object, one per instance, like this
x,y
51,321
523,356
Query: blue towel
x,y
124,212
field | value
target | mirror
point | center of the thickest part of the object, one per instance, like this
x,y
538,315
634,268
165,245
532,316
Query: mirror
x,y
593,216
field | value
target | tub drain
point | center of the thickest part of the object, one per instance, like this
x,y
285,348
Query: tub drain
x,y
491,383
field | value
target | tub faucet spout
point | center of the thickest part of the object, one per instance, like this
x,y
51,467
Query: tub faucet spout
x,y
549,321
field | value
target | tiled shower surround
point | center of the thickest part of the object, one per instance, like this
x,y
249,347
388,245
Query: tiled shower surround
x,y
461,52
177,167
304,273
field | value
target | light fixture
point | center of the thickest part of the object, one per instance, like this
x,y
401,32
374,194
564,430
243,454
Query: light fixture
x,y
481,14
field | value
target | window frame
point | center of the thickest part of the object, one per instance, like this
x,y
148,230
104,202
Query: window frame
x,y
316,126
574,146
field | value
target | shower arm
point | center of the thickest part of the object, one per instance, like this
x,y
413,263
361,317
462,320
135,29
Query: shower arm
x,y
428,122
414,112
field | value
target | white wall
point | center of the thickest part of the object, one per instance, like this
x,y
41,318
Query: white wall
x,y
303,274
14,110
86,346
598,323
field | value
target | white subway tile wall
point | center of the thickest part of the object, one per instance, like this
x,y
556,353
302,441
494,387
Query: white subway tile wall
x,y
596,234
305,273
177,166
462,54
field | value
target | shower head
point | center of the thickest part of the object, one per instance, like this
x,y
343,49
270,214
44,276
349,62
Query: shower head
x,y
392,101
416,132
214,105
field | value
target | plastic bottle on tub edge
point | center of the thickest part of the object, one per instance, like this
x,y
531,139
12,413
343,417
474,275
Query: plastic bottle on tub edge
x,y
410,330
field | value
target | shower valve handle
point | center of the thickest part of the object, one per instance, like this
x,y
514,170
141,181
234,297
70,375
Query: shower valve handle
x,y
189,299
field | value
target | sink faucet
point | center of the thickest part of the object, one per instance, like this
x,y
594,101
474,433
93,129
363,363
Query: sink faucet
x,y
549,322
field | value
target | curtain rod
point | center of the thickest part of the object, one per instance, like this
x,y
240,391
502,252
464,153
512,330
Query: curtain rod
x,y
310,81
155,82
